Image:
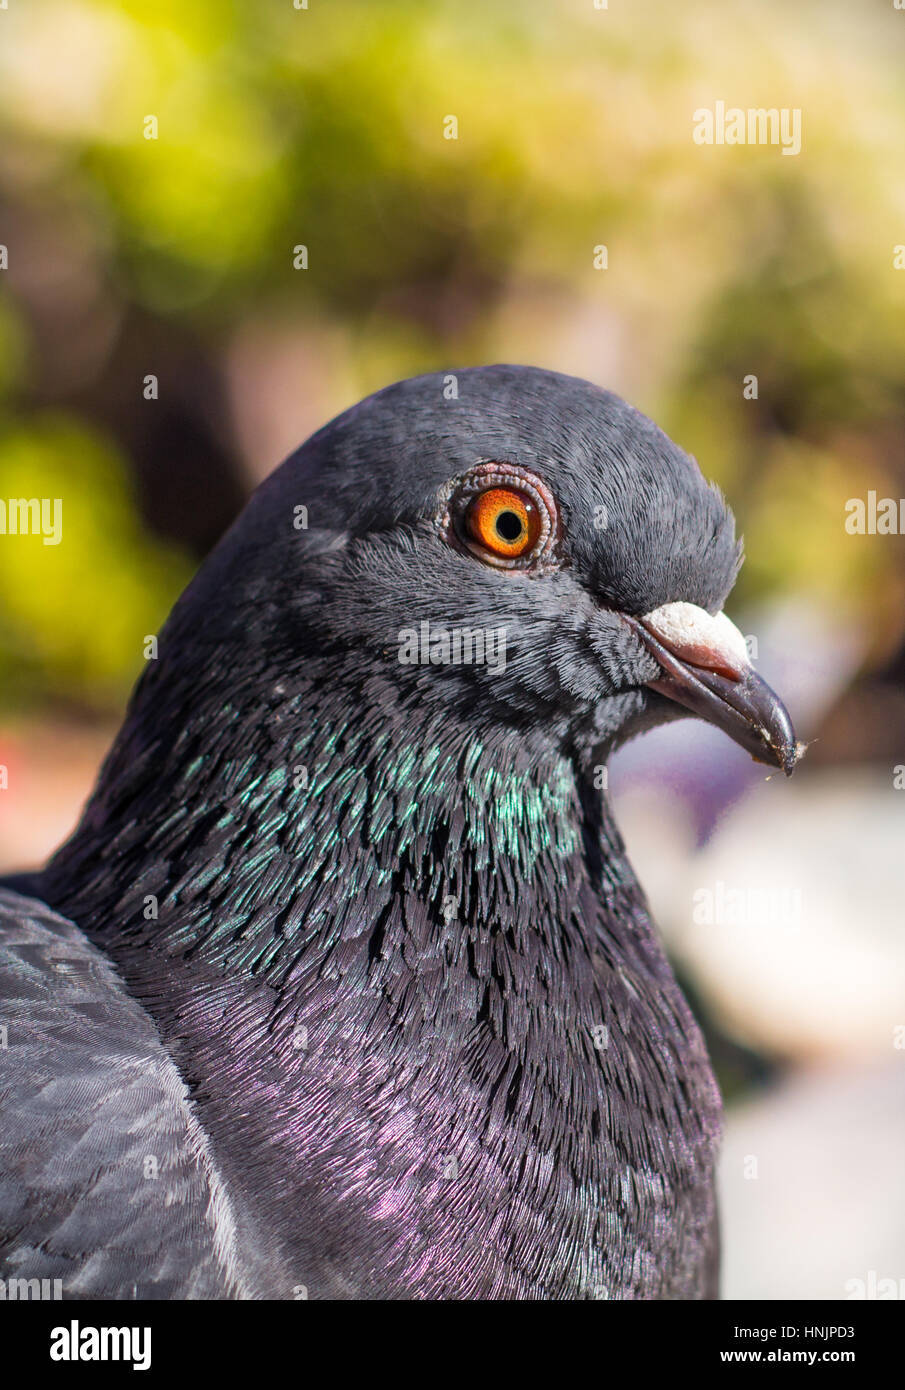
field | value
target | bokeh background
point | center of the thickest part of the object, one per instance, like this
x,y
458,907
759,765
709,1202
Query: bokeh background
x,y
129,257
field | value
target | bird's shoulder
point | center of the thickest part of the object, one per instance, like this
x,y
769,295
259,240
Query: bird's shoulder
x,y
103,1165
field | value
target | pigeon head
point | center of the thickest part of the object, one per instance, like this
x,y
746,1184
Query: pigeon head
x,y
513,549
405,662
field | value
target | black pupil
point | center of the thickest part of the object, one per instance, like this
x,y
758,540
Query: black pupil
x,y
509,526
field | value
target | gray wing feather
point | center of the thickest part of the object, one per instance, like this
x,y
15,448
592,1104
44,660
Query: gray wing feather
x,y
106,1179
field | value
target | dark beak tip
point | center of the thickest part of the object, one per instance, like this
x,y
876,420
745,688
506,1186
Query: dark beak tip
x,y
768,718
765,727
791,755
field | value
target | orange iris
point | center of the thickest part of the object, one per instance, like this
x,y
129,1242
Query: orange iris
x,y
504,521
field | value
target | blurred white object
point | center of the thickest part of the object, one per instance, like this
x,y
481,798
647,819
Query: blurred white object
x,y
790,920
811,1195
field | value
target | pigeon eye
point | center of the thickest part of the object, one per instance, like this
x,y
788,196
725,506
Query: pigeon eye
x,y
503,520
504,515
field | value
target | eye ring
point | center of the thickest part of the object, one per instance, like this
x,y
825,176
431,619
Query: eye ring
x,y
504,515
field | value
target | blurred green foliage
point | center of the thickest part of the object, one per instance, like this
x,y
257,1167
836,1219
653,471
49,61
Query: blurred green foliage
x,y
325,127
74,614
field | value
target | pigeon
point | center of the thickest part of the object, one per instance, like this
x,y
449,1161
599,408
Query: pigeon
x,y
343,986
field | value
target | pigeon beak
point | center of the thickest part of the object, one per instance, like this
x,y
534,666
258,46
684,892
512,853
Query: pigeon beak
x,y
705,667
